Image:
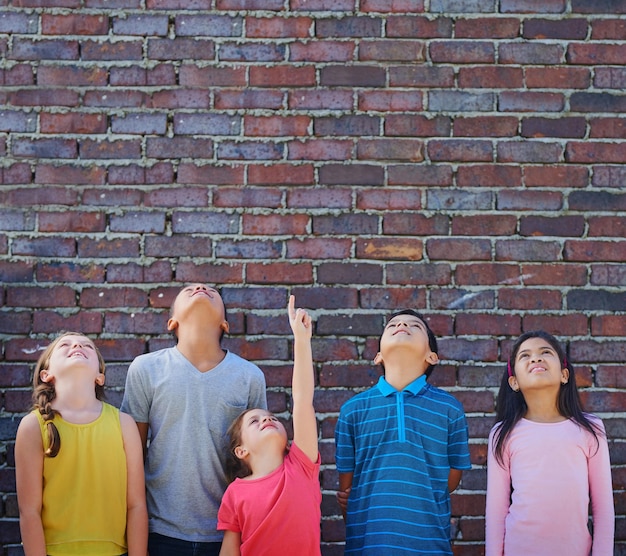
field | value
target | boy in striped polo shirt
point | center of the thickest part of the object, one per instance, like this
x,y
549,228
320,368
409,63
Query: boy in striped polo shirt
x,y
401,448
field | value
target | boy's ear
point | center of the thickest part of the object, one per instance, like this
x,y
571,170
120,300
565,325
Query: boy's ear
x,y
379,358
432,358
100,379
172,324
225,326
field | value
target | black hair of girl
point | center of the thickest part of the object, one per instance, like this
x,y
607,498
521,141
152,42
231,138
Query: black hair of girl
x,y
44,393
432,340
511,406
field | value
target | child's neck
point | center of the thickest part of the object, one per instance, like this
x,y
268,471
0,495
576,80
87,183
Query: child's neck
x,y
201,349
542,407
264,464
400,376
77,403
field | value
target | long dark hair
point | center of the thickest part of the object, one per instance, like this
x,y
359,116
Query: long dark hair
x,y
44,393
511,406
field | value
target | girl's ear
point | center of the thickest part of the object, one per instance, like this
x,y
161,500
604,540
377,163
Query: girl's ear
x,y
240,452
565,375
45,376
513,384
100,379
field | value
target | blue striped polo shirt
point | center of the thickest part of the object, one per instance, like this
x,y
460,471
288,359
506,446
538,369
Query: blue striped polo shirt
x,y
400,447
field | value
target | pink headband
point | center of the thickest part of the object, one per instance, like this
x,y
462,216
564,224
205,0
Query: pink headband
x,y
510,370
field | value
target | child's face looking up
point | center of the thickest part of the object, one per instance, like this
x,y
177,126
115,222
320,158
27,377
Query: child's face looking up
x,y
406,334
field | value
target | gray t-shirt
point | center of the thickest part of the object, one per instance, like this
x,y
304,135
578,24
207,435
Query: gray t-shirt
x,y
188,413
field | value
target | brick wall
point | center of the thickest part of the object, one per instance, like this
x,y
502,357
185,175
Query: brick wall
x,y
464,157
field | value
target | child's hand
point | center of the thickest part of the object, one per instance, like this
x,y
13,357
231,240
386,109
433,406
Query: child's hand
x,y
299,319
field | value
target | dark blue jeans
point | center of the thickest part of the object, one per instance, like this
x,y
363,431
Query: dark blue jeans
x,y
159,545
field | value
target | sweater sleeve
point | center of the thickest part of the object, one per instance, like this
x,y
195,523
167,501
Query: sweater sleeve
x,y
601,493
498,500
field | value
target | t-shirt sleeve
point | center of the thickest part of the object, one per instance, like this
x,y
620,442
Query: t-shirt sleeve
x,y
344,443
601,492
136,401
498,500
458,447
227,516
298,457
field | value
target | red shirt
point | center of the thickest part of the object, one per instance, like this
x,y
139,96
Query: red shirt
x,y
278,514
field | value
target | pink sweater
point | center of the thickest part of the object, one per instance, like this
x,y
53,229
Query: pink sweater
x,y
538,502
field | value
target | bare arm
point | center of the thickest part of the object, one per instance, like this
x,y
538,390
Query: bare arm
x,y
303,382
454,478
137,514
143,436
345,485
231,544
29,477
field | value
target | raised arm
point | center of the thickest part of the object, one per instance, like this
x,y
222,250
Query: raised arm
x,y
303,382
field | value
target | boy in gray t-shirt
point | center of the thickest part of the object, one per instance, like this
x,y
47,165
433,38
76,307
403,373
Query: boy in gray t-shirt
x,y
184,399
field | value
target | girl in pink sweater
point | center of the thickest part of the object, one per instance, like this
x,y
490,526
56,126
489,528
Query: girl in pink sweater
x,y
548,461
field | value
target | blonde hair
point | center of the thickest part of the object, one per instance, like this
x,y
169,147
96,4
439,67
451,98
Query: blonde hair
x,y
44,393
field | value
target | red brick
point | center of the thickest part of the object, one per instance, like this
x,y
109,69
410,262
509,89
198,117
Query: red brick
x,y
489,175
610,376
389,249
192,76
278,27
391,101
415,224
275,225
389,199
596,54
607,226
530,53
87,322
72,222
421,76
113,247
190,272
279,273
554,274
419,27
419,274
608,325
429,174
489,28
74,24
319,149
411,125
318,248
485,274
317,52
282,76
519,300
608,128
210,174
484,225
491,77
248,197
73,122
159,271
393,6
548,127
227,99
557,78
332,198
44,246
566,226
41,196
534,6
529,151
38,297
570,325
276,126
460,150
90,149
113,297
607,29
392,51
556,176
181,49
595,250
69,272
390,149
